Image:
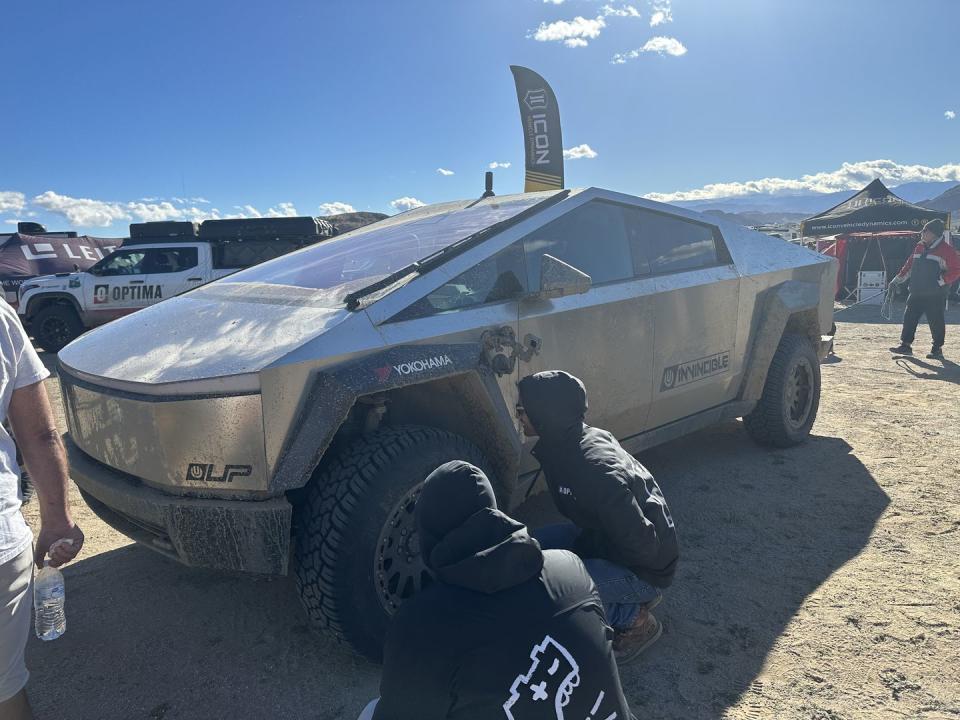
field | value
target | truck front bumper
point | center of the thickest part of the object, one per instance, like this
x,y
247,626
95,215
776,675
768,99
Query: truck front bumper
x,y
245,535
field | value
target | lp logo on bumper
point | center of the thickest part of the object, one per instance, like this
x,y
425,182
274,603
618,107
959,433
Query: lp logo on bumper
x,y
205,472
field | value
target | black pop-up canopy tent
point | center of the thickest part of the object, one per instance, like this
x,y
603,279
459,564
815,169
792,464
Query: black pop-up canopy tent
x,y
874,209
874,229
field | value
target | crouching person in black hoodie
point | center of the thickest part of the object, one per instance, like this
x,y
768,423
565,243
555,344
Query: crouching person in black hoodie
x,y
621,525
505,631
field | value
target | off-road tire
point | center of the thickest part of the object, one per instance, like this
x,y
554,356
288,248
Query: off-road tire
x,y
782,421
55,326
341,518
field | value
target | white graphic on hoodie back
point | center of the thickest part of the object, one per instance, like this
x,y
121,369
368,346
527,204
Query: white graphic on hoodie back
x,y
553,676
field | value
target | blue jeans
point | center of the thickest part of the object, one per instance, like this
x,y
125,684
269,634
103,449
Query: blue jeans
x,y
623,594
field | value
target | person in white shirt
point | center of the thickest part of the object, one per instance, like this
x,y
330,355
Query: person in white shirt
x,y
24,402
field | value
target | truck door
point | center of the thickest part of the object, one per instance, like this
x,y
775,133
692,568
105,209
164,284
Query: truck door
x,y
696,306
605,336
117,285
176,269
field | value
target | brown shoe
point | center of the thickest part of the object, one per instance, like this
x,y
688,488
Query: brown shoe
x,y
629,644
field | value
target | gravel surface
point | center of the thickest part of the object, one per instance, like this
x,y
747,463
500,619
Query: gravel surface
x,y
820,582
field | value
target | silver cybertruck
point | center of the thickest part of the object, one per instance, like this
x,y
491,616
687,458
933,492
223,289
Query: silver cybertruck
x,y
294,408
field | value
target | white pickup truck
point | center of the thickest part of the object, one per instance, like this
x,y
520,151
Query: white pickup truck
x,y
159,261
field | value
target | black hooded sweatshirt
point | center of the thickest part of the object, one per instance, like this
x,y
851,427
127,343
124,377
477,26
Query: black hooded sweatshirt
x,y
505,631
597,484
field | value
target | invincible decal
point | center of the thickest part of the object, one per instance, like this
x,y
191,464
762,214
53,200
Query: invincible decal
x,y
690,372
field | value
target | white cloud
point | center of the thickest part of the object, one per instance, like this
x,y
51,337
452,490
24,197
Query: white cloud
x,y
247,211
662,13
554,2
336,208
660,45
406,203
494,165
624,11
11,200
81,211
580,152
148,212
949,115
86,212
572,33
445,172
850,176
11,221
284,209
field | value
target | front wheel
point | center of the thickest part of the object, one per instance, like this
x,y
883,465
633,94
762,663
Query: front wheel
x,y
56,326
791,396
357,546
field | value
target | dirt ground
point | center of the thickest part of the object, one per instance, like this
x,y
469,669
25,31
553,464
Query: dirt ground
x,y
820,582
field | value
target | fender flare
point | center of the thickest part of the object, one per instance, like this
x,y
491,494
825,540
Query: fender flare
x,y
334,392
56,297
778,305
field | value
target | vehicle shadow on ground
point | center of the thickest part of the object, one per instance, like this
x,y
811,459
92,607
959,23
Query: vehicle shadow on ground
x,y
759,532
149,638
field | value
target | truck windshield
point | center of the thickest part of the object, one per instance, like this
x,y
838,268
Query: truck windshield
x,y
341,265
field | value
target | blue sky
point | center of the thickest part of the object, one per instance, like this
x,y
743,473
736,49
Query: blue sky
x,y
283,106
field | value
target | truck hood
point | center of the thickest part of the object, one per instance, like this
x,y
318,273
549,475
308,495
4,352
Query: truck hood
x,y
53,282
219,331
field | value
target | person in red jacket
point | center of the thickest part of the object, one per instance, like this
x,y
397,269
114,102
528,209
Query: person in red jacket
x,y
931,269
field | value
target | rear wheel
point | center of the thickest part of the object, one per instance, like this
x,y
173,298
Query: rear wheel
x,y
357,546
791,396
55,326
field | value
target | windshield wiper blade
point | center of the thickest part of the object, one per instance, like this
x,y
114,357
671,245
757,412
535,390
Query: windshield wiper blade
x,y
442,255
353,299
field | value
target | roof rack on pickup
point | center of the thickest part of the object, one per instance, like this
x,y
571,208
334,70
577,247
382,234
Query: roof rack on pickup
x,y
304,228
265,228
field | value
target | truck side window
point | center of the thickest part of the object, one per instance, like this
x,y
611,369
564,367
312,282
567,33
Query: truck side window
x,y
672,244
169,260
496,279
122,262
592,238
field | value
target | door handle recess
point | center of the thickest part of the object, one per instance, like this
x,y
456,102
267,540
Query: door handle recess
x,y
135,282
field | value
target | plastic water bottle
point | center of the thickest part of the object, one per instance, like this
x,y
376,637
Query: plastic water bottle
x,y
49,594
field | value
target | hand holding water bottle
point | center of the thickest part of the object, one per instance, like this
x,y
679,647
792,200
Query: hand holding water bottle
x,y
63,552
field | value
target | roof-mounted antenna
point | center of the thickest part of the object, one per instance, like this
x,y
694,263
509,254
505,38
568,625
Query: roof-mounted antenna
x,y
488,185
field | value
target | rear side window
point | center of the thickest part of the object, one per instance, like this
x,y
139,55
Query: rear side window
x,y
672,244
593,239
169,260
245,253
497,279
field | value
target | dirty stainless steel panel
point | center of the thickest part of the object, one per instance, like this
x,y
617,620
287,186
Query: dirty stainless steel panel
x,y
697,363
286,383
208,446
605,333
214,331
